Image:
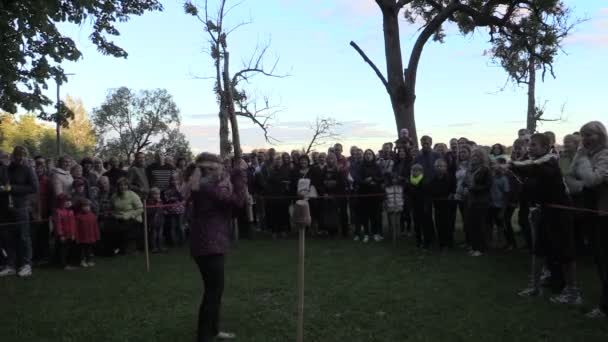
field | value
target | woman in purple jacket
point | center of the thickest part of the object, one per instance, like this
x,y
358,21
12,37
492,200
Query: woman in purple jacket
x,y
215,196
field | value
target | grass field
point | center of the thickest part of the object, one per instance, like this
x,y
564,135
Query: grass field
x,y
354,292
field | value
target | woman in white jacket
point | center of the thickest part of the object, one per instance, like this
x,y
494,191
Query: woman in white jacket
x,y
591,172
61,178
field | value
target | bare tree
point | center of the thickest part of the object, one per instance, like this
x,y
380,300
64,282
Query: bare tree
x,y
325,129
502,18
229,95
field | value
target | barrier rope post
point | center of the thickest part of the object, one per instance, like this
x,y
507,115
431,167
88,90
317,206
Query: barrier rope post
x,y
146,245
302,219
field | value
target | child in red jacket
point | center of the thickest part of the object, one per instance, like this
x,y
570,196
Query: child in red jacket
x,y
64,227
87,231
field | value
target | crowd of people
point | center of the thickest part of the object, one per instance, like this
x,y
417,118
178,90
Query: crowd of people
x,y
403,190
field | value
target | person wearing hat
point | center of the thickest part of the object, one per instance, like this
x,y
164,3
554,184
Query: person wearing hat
x,y
216,195
22,182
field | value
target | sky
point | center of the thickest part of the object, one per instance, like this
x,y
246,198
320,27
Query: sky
x,y
458,88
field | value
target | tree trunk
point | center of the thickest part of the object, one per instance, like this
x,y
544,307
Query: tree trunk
x,y
234,124
531,117
224,132
402,99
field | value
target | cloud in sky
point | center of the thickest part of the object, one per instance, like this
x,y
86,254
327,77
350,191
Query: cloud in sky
x,y
291,135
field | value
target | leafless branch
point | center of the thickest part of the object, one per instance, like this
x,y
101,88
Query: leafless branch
x,y
371,64
255,66
540,112
324,129
261,116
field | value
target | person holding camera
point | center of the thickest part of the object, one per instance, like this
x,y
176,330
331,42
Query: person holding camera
x,y
215,195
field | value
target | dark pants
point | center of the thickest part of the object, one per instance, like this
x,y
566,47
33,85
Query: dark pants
x,y
18,240
476,221
211,268
173,223
63,250
277,215
342,206
523,220
497,217
125,235
452,210
509,225
423,225
462,209
41,241
369,209
443,223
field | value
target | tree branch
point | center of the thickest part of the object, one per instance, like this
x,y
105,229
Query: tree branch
x,y
371,64
402,3
324,129
259,116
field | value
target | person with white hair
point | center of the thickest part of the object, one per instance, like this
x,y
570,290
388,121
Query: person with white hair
x,y
591,170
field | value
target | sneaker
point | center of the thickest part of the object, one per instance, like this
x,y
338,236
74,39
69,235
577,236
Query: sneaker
x,y
91,263
476,254
69,268
596,313
9,271
356,238
84,264
25,271
571,296
365,239
530,292
225,336
378,238
545,277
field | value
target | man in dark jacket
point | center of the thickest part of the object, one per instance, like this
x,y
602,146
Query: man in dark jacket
x,y
426,158
554,235
4,217
22,181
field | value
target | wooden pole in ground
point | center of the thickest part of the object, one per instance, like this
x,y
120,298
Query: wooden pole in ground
x,y
301,218
300,336
146,246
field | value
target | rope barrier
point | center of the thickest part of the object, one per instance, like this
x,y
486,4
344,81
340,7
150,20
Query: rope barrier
x,y
329,197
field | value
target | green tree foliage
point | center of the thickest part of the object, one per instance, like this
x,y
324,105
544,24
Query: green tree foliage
x,y
80,129
78,139
544,32
32,48
174,143
128,122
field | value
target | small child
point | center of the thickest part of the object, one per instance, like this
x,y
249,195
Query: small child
x,y
156,220
79,192
442,189
87,231
174,213
422,207
64,226
499,193
394,204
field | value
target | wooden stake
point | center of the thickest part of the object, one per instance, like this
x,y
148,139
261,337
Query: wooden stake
x,y
300,332
146,247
